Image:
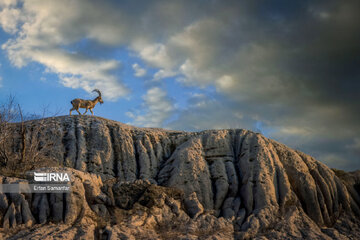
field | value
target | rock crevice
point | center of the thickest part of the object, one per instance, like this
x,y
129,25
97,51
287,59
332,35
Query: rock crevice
x,y
251,182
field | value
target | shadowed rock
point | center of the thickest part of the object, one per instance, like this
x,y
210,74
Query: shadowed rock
x,y
124,177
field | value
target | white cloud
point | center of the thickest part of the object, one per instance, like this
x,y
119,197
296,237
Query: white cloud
x,y
156,55
74,70
7,3
157,108
139,71
225,83
263,66
43,29
193,75
1,81
161,74
9,19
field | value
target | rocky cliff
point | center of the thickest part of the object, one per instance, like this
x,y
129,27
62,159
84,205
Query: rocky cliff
x,y
145,183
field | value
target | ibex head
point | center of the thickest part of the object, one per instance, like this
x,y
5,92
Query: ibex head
x,y
99,97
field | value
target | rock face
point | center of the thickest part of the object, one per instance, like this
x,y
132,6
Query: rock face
x,y
131,183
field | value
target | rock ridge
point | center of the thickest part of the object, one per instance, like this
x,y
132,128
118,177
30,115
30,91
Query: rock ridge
x,y
234,179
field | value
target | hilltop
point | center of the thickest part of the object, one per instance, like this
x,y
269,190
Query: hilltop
x,y
150,183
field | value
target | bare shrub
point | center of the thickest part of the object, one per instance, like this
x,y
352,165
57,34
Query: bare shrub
x,y
24,145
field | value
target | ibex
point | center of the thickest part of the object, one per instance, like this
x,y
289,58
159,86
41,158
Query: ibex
x,y
87,104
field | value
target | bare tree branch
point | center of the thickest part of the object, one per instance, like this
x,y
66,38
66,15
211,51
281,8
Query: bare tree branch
x,y
24,143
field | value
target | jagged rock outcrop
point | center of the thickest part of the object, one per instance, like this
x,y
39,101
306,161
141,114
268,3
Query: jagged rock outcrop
x,y
112,210
133,182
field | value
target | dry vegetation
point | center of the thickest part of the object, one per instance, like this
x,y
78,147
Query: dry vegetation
x,y
20,146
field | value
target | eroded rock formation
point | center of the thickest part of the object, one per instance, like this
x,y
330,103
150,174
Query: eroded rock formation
x,y
133,182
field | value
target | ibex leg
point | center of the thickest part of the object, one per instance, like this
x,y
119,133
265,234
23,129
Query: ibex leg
x,y
71,110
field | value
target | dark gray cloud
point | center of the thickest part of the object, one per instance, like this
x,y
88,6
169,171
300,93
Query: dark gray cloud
x,y
291,67
294,67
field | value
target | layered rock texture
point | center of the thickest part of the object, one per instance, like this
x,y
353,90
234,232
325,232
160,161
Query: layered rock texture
x,y
143,183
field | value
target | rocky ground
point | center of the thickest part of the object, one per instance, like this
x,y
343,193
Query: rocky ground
x,y
141,183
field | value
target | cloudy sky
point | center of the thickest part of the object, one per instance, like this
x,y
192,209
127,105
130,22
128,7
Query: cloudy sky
x,y
287,69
